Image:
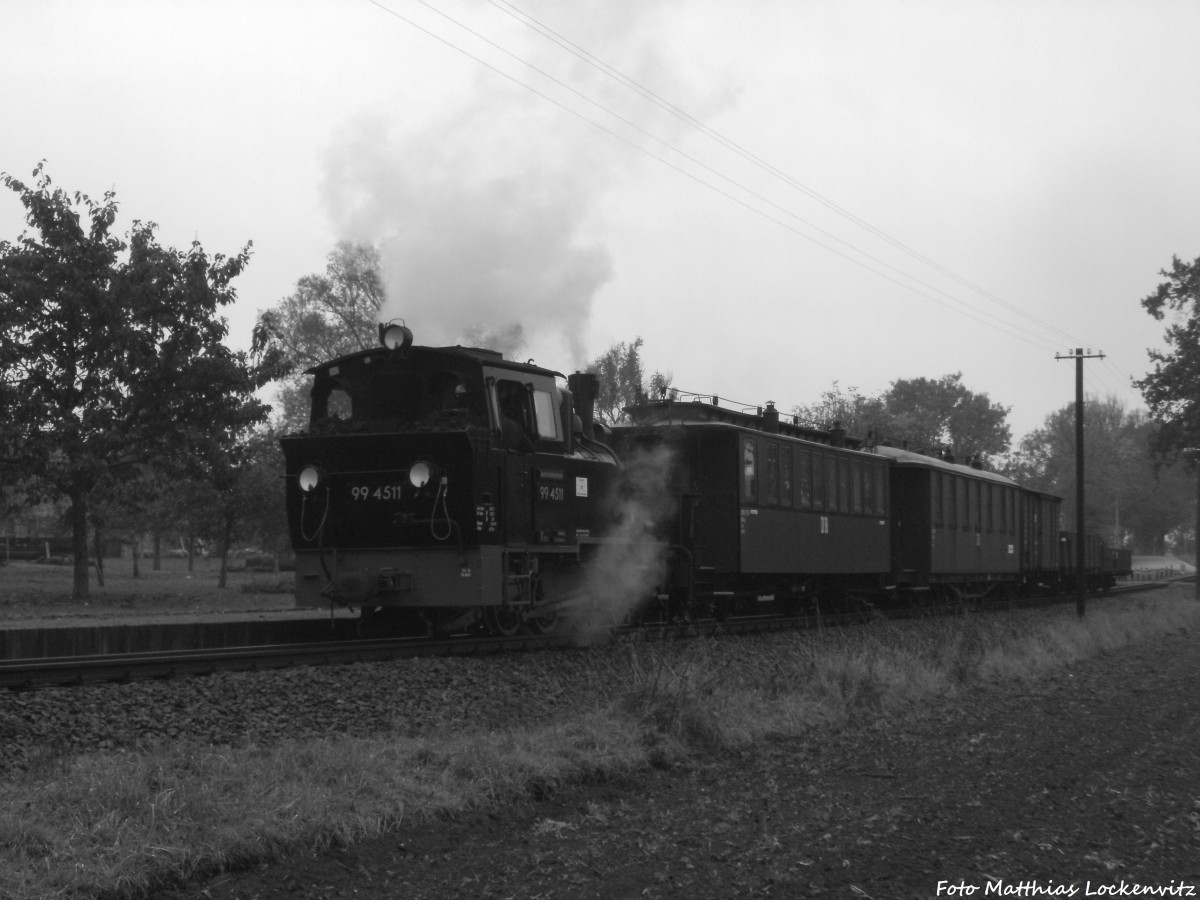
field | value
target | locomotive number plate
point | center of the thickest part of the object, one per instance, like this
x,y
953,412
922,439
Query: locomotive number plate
x,y
379,492
546,492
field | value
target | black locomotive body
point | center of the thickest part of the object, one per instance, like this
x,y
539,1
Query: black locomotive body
x,y
444,485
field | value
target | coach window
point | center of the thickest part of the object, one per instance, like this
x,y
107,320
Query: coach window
x,y
989,506
833,493
771,474
977,512
804,479
881,495
935,479
749,469
856,491
951,501
818,480
868,488
785,476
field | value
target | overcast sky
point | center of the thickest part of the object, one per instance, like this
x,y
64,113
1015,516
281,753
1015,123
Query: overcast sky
x,y
774,195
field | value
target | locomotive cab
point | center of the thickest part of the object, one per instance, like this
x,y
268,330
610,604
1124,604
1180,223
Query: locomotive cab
x,y
445,487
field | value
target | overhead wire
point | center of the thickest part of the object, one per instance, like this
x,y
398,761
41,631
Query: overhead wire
x,y
951,302
603,67
964,309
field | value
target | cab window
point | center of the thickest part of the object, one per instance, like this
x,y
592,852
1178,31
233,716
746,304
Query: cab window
x,y
517,427
547,421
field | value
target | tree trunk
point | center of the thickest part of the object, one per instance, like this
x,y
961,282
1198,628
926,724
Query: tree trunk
x,y
157,565
226,539
136,549
79,542
98,545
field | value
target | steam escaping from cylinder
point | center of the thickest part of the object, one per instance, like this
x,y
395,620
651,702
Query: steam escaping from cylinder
x,y
632,563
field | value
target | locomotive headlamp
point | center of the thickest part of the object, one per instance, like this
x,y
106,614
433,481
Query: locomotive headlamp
x,y
395,335
420,474
310,478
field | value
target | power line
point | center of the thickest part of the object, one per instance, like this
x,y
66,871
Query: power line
x,y
602,66
1008,328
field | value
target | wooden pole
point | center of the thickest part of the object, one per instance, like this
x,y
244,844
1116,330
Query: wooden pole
x,y
1080,538
1080,543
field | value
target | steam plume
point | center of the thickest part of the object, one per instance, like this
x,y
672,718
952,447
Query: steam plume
x,y
633,563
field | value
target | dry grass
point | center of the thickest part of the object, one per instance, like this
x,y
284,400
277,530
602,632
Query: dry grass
x,y
120,825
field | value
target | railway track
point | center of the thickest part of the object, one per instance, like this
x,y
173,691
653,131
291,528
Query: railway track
x,y
31,673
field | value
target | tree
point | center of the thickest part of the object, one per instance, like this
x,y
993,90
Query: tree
x,y
1133,496
1170,389
622,382
327,316
857,413
234,495
927,414
1115,464
111,352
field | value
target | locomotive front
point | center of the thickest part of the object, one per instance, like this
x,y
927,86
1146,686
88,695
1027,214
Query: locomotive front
x,y
440,487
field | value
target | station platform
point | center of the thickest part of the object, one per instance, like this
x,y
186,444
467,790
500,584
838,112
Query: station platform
x,y
83,635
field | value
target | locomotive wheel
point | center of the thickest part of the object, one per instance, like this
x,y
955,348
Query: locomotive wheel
x,y
503,621
543,624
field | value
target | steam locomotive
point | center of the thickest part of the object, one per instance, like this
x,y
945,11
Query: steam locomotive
x,y
448,488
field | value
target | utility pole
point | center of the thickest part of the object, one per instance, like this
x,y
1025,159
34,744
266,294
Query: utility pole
x,y
1080,544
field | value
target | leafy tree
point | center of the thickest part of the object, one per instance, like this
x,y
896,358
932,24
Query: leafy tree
x,y
111,351
622,382
1154,499
1170,388
1045,460
927,414
1131,499
235,496
327,316
857,413
924,414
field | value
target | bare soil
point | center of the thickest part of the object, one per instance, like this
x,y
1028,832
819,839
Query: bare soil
x,y
1086,779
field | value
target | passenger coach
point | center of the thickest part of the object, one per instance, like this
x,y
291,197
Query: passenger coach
x,y
956,527
767,511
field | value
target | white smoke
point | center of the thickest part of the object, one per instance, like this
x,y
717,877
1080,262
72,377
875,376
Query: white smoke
x,y
632,564
480,231
489,217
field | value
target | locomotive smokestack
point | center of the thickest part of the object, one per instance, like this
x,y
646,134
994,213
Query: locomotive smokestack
x,y
584,387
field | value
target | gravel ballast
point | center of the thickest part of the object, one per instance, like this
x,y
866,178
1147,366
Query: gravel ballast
x,y
410,696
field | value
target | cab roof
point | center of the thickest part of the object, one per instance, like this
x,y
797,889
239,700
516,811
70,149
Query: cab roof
x,y
431,356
